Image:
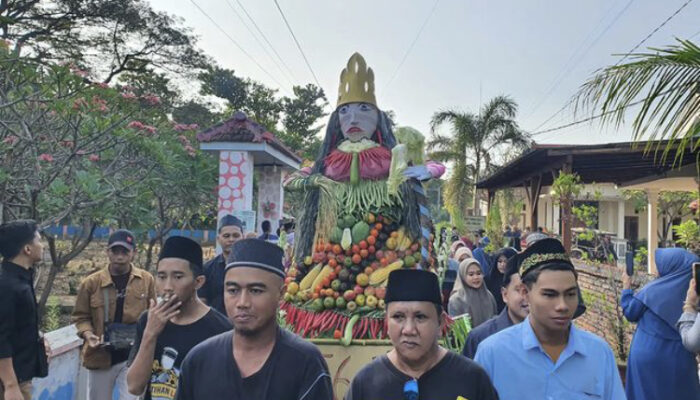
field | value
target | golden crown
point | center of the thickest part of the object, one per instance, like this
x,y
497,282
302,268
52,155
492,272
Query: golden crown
x,y
356,83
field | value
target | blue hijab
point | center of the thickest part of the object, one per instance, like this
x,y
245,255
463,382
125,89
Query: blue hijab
x,y
483,258
665,295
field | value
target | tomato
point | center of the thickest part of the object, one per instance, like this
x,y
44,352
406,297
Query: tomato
x,y
371,249
337,249
384,262
356,259
333,263
338,269
355,249
364,253
371,240
315,295
369,271
378,226
328,247
326,282
363,244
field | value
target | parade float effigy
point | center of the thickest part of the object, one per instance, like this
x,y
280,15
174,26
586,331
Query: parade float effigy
x,y
365,215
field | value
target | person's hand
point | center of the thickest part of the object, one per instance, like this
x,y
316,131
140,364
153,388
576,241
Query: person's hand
x,y
691,297
13,392
159,313
419,172
92,340
47,348
626,281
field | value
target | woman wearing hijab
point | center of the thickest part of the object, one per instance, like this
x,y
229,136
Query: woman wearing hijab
x,y
494,280
457,244
470,295
659,367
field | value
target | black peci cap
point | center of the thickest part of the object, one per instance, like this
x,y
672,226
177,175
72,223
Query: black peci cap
x,y
413,285
256,253
185,249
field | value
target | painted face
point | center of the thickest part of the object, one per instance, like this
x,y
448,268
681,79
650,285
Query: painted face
x,y
251,296
501,264
228,235
515,300
358,120
120,255
175,277
475,277
553,299
414,328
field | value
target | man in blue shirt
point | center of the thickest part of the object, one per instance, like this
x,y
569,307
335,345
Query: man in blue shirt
x,y
546,357
515,312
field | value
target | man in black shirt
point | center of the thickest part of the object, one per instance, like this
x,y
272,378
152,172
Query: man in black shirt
x,y
515,312
212,292
174,324
418,367
20,351
258,359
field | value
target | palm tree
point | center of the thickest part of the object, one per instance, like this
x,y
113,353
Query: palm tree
x,y
470,148
666,84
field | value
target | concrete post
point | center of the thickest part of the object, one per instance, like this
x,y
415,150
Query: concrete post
x,y
270,197
652,228
621,219
235,182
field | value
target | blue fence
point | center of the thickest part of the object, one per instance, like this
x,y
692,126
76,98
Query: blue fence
x,y
102,232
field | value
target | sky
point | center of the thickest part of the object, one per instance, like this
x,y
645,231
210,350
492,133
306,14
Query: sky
x,y
538,52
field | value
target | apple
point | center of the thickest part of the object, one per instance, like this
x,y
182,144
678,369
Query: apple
x,y
371,301
359,289
349,295
380,292
370,291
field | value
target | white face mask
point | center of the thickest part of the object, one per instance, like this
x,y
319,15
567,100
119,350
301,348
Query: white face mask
x,y
358,120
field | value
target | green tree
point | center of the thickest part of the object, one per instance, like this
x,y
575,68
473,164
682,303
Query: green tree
x,y
109,37
665,82
223,83
671,206
301,114
196,112
79,153
474,140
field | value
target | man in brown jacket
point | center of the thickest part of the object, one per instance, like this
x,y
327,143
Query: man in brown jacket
x,y
124,292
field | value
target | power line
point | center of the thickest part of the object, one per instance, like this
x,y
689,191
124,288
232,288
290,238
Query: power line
x,y
567,70
257,40
654,31
266,40
591,118
238,45
306,60
625,56
410,48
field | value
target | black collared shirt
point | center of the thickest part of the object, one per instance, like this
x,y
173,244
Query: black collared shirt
x,y
481,332
19,321
213,289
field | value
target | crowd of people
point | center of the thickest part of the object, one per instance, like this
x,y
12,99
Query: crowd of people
x,y
196,330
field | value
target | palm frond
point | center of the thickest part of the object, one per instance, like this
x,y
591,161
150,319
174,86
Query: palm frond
x,y
666,84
